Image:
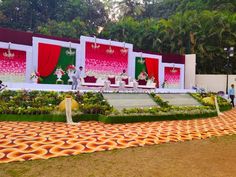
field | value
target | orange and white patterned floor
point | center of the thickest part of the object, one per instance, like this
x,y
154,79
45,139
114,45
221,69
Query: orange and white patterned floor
x,y
20,141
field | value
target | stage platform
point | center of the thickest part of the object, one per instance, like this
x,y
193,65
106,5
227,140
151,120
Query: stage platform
x,y
66,88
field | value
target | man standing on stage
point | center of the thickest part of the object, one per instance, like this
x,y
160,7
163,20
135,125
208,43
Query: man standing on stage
x,y
77,76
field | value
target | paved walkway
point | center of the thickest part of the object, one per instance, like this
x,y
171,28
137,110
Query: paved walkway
x,y
126,100
20,141
179,99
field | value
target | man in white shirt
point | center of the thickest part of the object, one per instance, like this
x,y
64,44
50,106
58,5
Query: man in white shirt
x,y
77,76
232,94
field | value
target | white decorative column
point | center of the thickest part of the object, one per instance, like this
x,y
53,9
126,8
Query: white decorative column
x,y
190,71
68,110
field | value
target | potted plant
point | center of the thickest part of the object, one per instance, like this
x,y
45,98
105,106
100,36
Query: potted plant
x,y
35,77
59,73
70,70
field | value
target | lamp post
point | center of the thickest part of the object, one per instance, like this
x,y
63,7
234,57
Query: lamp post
x,y
230,53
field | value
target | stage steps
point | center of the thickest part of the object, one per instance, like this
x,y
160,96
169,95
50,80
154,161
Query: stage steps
x,y
179,99
129,100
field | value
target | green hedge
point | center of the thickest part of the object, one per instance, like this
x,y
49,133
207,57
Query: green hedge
x,y
224,105
225,108
32,118
48,117
102,118
152,118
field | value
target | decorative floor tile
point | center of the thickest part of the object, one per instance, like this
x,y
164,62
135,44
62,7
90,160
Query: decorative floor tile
x,y
21,141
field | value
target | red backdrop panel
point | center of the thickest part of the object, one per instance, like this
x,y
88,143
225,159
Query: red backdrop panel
x,y
99,63
48,56
13,69
152,66
172,77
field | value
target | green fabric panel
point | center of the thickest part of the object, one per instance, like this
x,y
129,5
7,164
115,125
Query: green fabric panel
x,y
139,67
63,62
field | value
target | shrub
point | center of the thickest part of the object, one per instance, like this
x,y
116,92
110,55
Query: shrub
x,y
224,105
42,102
159,101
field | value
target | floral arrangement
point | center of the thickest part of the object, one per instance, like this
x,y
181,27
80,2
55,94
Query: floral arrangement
x,y
70,68
46,102
204,97
34,75
59,71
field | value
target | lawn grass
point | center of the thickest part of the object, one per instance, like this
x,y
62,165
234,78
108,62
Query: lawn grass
x,y
212,157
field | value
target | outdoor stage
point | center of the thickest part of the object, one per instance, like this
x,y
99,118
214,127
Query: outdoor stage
x,y
66,88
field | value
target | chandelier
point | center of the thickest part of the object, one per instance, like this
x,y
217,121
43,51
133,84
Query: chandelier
x,y
8,54
95,45
124,51
141,60
70,52
173,70
110,50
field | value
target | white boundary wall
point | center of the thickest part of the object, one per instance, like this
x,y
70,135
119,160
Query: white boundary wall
x,y
190,71
213,82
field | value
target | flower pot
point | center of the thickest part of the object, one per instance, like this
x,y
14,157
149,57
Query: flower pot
x,y
59,77
70,74
35,80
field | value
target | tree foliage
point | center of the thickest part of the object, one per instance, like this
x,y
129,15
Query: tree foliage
x,y
73,29
205,33
30,14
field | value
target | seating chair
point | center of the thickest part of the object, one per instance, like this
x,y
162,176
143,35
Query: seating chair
x,y
91,81
144,84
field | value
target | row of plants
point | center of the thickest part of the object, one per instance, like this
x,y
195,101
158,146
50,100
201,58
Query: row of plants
x,y
42,102
207,99
159,101
45,106
171,110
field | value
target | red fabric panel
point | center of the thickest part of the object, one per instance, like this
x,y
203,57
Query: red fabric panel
x,y
17,37
25,38
126,81
90,79
57,38
112,80
48,56
173,58
152,66
166,58
142,82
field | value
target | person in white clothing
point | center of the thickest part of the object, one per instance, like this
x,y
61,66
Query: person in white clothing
x,y
232,94
76,77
